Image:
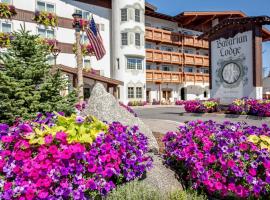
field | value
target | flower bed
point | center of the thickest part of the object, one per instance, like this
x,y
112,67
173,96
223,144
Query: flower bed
x,y
69,158
197,106
179,102
129,109
46,18
248,106
227,161
7,11
137,103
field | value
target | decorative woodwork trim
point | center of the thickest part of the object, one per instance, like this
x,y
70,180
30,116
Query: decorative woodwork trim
x,y
27,16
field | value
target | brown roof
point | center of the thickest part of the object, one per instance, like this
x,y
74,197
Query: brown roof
x,y
90,75
202,20
261,20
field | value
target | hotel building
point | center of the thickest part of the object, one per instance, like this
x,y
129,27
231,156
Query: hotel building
x,y
149,55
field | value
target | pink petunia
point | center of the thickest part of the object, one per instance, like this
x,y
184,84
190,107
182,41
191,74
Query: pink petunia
x,y
7,139
43,194
48,139
252,172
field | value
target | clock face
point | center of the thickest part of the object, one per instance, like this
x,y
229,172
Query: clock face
x,y
231,73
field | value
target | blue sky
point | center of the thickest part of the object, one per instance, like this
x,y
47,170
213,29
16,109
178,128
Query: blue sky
x,y
250,7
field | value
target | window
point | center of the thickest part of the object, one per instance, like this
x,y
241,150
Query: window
x,y
46,33
134,63
139,92
87,63
44,6
205,70
130,92
137,15
124,15
148,24
166,68
5,27
85,14
137,39
101,27
148,66
189,69
124,37
165,48
190,51
148,46
6,1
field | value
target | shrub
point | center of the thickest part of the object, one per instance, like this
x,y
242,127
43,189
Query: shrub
x,y
229,160
134,191
250,107
197,106
26,84
155,102
69,158
137,103
137,190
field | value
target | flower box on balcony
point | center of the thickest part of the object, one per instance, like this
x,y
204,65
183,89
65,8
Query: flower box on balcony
x,y
7,11
46,18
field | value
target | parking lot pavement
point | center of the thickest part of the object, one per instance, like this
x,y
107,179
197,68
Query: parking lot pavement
x,y
175,113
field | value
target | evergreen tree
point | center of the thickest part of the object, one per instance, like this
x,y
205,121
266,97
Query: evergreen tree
x,y
27,85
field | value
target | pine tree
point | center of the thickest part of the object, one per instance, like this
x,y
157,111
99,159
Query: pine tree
x,y
27,85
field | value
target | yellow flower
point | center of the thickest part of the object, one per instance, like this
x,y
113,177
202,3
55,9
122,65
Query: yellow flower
x,y
265,138
254,139
264,146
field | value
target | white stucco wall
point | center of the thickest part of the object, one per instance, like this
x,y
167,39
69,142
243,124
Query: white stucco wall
x,y
101,15
120,53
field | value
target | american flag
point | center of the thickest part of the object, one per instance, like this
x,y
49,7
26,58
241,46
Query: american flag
x,y
95,39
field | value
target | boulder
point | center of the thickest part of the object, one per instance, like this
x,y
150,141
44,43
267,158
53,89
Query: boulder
x,y
105,107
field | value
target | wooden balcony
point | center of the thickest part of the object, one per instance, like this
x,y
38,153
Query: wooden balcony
x,y
167,57
157,76
168,37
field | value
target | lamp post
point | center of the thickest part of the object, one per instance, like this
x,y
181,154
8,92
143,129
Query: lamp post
x,y
77,25
55,52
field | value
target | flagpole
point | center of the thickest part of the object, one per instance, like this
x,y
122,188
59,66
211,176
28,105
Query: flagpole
x,y
79,58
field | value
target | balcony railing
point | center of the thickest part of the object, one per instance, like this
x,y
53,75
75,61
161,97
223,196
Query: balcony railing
x,y
167,57
157,76
163,36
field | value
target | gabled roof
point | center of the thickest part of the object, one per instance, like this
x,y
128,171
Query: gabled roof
x,y
202,20
260,20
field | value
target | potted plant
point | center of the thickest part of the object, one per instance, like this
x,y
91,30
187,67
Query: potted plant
x,y
46,18
7,11
87,49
